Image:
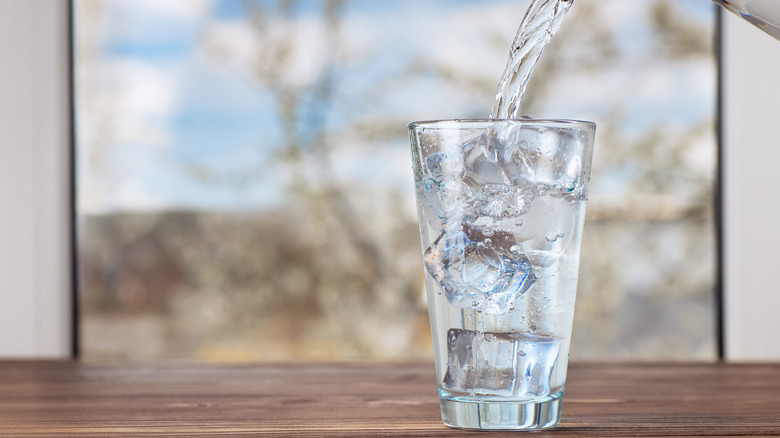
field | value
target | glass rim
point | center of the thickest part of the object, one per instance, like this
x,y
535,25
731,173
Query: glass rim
x,y
444,124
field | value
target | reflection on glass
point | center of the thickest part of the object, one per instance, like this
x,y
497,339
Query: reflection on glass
x,y
244,181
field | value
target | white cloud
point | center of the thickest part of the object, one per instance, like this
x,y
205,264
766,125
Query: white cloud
x,y
302,43
452,37
682,91
136,97
131,17
174,9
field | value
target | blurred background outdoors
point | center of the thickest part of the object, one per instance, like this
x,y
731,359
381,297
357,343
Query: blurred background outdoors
x,y
244,186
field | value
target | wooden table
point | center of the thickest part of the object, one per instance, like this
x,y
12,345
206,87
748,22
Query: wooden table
x,y
367,399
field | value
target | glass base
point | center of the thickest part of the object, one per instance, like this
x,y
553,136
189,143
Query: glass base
x,y
501,415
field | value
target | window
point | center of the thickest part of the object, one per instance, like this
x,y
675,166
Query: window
x,y
243,175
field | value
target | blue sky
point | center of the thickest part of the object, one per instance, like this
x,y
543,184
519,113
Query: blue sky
x,y
178,109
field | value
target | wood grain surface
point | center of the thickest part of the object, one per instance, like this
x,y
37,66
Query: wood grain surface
x,y
368,400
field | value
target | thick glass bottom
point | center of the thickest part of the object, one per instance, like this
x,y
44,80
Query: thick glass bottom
x,y
501,415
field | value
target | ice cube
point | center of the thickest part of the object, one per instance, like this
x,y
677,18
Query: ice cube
x,y
443,193
499,364
519,161
444,199
483,162
444,163
479,271
545,156
444,261
548,224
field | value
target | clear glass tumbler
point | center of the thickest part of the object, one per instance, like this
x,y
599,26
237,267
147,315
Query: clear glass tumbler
x,y
501,205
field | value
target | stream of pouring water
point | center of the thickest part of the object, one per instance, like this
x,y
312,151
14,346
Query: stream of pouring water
x,y
541,22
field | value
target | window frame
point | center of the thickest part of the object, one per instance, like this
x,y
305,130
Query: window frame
x,y
36,181
746,215
40,283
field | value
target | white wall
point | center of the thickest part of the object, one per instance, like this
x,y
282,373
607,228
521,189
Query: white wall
x,y
34,178
751,192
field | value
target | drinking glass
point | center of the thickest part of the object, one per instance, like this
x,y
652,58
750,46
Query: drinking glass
x,y
501,205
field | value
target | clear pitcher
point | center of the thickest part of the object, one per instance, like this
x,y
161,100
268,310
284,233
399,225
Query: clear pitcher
x,y
764,14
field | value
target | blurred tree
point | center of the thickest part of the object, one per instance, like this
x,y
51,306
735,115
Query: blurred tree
x,y
336,271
